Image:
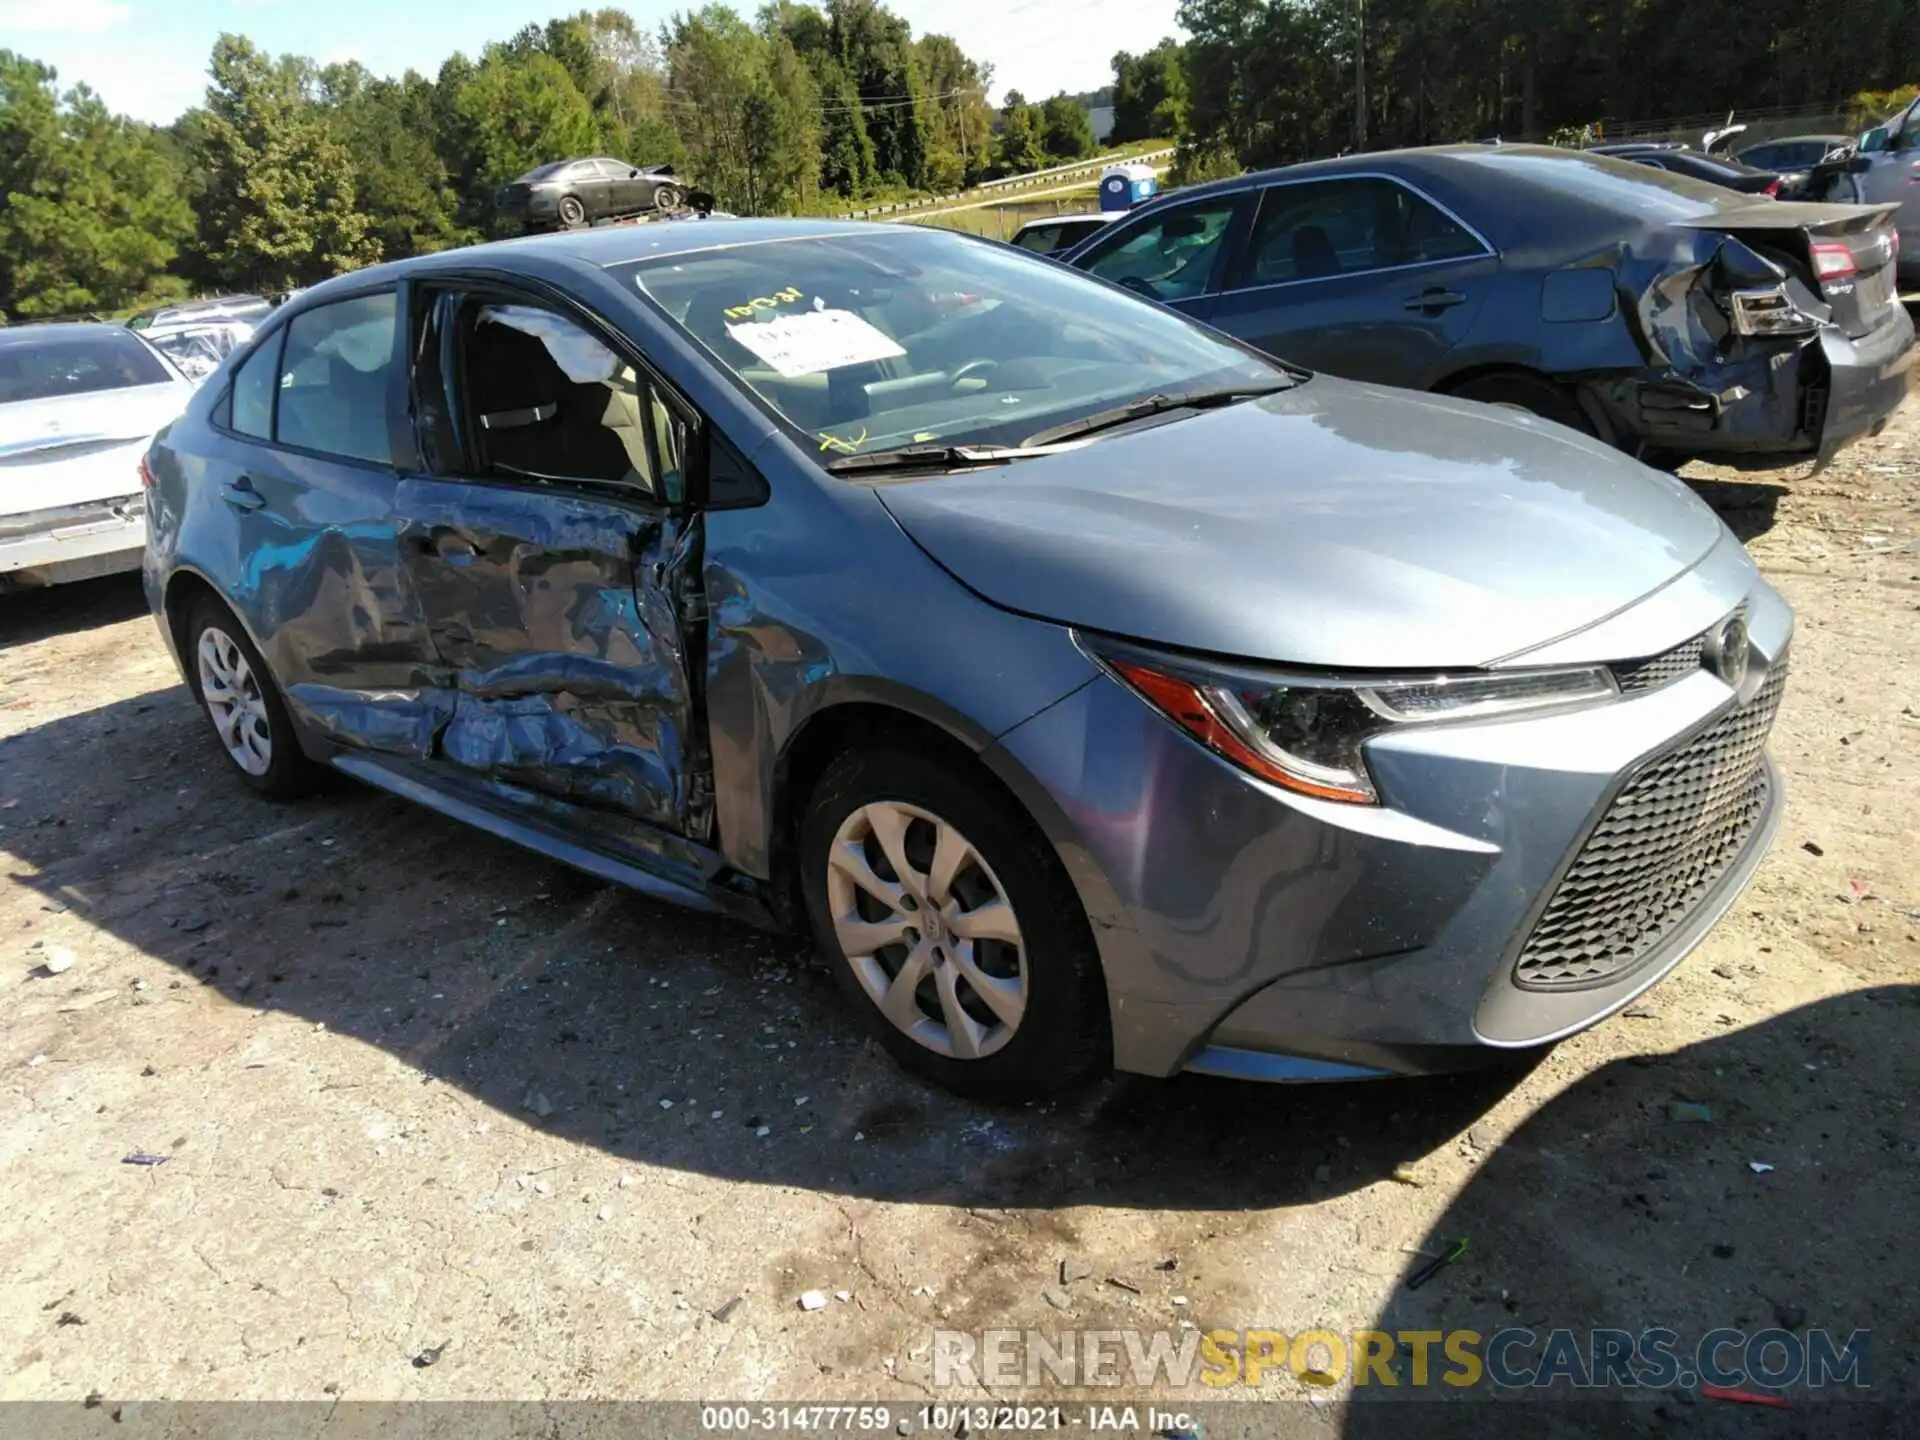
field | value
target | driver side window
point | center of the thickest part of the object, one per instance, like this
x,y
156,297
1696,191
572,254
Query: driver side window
x,y
1172,257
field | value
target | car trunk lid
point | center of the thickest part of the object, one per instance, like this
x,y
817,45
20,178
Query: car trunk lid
x,y
69,448
1847,253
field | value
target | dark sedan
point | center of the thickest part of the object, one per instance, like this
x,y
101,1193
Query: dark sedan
x,y
1714,169
568,193
1669,317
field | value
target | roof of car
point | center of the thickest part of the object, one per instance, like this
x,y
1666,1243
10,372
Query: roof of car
x,y
1413,157
15,335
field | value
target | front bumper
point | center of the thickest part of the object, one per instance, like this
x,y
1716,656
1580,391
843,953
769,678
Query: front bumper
x,y
1249,931
73,542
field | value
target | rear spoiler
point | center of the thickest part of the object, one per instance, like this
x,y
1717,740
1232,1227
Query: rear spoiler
x,y
1794,215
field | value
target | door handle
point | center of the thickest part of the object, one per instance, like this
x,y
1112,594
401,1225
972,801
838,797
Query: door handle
x,y
242,496
1433,300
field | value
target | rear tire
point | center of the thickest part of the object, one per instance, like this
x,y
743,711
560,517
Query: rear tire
x,y
572,212
1530,393
236,690
1003,997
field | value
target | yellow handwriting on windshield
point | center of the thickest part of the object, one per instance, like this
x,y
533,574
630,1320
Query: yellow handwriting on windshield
x,y
843,447
763,302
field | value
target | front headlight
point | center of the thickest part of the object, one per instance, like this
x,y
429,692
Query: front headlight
x,y
1308,732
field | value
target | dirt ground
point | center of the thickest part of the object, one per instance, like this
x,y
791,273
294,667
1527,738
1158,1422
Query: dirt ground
x,y
423,1095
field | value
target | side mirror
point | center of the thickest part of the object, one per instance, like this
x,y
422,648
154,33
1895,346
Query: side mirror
x,y
633,174
1874,140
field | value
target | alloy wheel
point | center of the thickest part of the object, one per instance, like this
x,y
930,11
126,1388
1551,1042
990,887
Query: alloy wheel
x,y
928,930
234,701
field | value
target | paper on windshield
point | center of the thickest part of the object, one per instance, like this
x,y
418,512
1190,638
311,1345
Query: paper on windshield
x,y
815,340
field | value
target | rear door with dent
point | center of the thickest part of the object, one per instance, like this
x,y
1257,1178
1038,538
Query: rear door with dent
x,y
551,543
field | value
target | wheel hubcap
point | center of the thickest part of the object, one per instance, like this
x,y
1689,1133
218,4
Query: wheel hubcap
x,y
928,929
234,701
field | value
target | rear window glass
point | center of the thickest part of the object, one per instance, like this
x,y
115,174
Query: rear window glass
x,y
76,363
1615,184
546,172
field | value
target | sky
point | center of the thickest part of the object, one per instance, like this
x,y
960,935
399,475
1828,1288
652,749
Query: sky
x,y
148,57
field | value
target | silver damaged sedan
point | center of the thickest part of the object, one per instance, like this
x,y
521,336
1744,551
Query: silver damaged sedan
x,y
1093,689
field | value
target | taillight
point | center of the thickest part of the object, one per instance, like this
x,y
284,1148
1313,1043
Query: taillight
x,y
146,473
1772,190
1832,260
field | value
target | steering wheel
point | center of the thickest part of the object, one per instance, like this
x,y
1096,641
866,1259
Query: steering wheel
x,y
973,369
1140,287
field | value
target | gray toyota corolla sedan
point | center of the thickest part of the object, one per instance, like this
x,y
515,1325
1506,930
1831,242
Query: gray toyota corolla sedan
x,y
1095,689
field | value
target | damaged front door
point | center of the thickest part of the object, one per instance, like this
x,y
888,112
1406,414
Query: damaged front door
x,y
556,560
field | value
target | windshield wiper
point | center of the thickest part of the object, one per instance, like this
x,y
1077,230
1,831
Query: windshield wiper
x,y
1155,405
938,457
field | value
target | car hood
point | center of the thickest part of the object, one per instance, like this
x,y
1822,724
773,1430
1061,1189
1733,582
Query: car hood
x,y
1336,524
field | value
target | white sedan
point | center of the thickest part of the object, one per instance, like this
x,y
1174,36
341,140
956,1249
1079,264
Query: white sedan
x,y
79,405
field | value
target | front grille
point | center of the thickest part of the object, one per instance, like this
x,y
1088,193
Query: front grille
x,y
1662,846
1636,677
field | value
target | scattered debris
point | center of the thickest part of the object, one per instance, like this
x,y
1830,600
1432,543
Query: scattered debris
x,y
1725,972
725,1311
430,1356
1689,1112
1811,848
813,1300
141,1157
1483,1137
1073,1268
1433,1267
1723,1251
537,1102
59,960
1402,1174
843,1296
666,1104
1790,1317
763,1132
67,1317
1120,1282
36,1062
1641,1012
1056,1297
605,1212
1759,1167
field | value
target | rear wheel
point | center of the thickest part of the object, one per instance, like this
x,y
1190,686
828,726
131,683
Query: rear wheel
x,y
1528,393
950,926
250,720
572,212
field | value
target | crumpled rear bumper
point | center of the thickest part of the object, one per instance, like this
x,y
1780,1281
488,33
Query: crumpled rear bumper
x,y
73,542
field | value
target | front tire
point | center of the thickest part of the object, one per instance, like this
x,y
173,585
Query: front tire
x,y
238,694
951,927
667,198
572,213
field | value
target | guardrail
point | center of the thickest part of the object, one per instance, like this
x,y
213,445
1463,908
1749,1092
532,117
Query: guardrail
x,y
1011,183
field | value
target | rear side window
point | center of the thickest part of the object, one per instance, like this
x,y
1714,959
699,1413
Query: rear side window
x,y
75,362
1337,227
333,379
253,390
1041,239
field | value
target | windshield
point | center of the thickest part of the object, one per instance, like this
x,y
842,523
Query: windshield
x,y
863,342
51,363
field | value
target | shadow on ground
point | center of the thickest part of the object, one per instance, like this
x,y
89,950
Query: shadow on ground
x,y
1625,1216
531,986
30,615
1747,505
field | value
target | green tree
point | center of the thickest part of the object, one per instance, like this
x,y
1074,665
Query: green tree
x,y
91,213
516,111
387,126
1066,129
279,207
1149,93
1019,145
748,109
